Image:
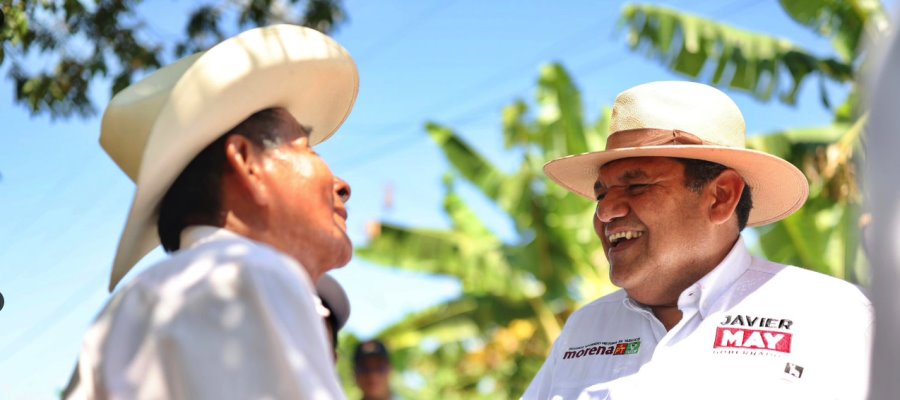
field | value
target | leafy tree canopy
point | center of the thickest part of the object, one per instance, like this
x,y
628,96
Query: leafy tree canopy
x,y
77,42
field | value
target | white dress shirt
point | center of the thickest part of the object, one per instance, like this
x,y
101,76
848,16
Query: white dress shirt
x,y
223,318
751,329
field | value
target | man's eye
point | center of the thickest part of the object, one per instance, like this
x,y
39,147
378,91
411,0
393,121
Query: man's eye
x,y
601,196
637,187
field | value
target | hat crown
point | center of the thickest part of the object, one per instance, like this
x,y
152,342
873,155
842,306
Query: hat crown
x,y
370,348
695,108
131,113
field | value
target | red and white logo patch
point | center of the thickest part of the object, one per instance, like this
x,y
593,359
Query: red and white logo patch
x,y
752,339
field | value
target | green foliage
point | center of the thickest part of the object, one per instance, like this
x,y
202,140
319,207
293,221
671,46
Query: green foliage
x,y
823,235
346,345
204,27
89,41
726,56
842,20
489,342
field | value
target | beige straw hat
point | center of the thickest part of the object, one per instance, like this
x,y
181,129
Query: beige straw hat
x,y
687,120
155,127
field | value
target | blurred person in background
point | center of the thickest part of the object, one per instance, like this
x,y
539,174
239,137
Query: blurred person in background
x,y
372,370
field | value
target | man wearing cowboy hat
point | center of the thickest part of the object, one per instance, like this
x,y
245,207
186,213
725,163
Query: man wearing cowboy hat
x,y
698,316
219,145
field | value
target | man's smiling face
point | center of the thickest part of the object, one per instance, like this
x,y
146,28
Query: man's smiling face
x,y
649,222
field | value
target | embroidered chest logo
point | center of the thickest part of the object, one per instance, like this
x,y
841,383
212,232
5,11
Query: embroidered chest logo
x,y
738,335
619,347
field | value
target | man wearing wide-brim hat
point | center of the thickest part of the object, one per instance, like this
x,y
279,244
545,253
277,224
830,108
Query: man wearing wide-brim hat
x,y
219,145
698,317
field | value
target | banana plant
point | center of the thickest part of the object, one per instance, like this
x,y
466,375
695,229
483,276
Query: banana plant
x,y
515,295
822,235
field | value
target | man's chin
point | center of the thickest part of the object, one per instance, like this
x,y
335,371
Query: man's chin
x,y
620,276
345,261
344,254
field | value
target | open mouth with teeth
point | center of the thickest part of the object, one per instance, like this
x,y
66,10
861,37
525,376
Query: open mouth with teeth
x,y
621,237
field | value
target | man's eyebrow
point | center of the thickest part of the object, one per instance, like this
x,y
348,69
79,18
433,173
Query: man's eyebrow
x,y
633,174
627,176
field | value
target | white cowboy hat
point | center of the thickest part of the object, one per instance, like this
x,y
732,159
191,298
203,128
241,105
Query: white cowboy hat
x,y
687,120
332,293
155,127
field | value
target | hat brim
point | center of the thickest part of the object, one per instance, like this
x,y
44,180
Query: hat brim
x,y
285,66
778,187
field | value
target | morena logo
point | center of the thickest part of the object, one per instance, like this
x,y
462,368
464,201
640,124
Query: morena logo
x,y
618,349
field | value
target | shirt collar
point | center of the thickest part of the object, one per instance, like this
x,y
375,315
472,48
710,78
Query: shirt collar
x,y
703,294
196,235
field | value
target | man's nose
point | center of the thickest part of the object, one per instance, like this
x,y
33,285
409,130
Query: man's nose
x,y
612,206
342,189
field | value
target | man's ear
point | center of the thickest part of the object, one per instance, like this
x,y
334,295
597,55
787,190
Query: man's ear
x,y
246,162
725,191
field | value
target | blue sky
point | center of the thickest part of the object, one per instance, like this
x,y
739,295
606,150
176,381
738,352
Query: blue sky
x,y
63,202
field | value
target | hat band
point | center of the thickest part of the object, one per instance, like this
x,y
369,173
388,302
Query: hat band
x,y
643,137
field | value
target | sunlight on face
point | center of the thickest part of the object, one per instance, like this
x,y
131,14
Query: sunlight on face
x,y
307,202
647,220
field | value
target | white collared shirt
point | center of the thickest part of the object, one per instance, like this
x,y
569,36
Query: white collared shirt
x,y
750,329
223,318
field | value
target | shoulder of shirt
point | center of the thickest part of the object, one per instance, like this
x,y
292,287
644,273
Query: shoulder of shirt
x,y
606,305
811,283
614,299
236,259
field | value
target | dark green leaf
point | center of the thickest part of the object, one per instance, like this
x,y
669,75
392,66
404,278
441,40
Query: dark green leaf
x,y
726,56
465,160
117,44
560,115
